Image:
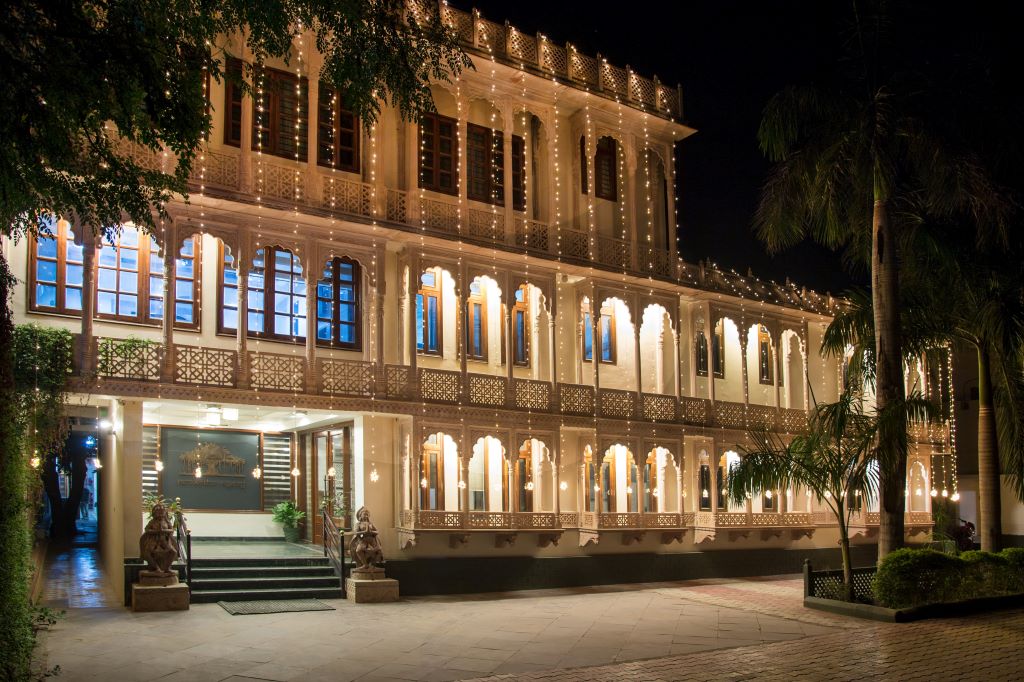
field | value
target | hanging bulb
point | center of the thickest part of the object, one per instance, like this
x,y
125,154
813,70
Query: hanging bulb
x,y
563,486
934,492
945,493
828,494
257,473
462,484
704,493
423,482
767,494
654,492
955,497
528,486
331,472
918,492
295,472
374,476
158,465
35,462
199,472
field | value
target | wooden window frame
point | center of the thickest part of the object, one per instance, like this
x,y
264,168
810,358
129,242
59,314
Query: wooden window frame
x,y
701,355
233,102
606,159
425,293
269,274
718,354
331,123
591,477
588,330
650,483
60,234
334,274
427,449
522,493
765,357
521,308
143,273
483,142
703,505
609,315
430,125
273,81
518,173
472,300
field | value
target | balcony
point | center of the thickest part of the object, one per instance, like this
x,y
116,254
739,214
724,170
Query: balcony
x,y
632,526
460,525
707,525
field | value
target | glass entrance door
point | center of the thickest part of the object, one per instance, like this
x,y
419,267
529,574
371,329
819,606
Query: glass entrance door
x,y
332,478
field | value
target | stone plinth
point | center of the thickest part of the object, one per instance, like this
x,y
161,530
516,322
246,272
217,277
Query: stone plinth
x,y
156,591
370,587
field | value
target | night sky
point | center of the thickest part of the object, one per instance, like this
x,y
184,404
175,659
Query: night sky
x,y
730,58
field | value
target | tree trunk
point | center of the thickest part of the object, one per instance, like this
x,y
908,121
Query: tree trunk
x,y
844,546
888,378
989,517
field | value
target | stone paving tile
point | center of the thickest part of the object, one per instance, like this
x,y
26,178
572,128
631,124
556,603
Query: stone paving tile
x,y
983,647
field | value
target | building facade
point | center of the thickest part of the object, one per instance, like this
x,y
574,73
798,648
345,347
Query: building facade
x,y
477,326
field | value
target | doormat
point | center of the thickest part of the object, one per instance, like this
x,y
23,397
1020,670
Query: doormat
x,y
249,608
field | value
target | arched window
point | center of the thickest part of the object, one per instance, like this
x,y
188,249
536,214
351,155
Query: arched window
x,y
605,172
588,333
524,479
718,354
590,484
607,331
650,491
129,276
704,481
432,472
338,314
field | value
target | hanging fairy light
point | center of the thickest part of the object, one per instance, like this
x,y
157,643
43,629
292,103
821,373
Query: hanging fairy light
x,y
158,465
198,472
257,472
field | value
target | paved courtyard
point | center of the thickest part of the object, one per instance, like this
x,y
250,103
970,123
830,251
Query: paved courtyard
x,y
663,631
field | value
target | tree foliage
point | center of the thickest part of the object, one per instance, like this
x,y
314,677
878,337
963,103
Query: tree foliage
x,y
78,74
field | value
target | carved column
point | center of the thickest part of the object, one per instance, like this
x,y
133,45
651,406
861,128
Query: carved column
x,y
461,297
638,204
380,291
508,121
246,180
636,346
243,380
86,352
595,342
509,335
744,373
709,338
170,251
414,279
311,279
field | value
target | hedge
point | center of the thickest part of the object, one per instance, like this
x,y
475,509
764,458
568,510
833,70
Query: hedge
x,y
912,577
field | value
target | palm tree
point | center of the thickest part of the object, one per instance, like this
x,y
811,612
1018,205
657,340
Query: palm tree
x,y
972,297
836,460
854,161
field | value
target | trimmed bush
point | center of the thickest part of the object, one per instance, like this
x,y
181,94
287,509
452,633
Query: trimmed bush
x,y
912,577
909,577
985,573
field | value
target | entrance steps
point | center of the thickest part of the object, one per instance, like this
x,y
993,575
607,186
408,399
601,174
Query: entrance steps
x,y
246,579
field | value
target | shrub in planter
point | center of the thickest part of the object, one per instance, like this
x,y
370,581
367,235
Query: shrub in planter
x,y
288,515
909,577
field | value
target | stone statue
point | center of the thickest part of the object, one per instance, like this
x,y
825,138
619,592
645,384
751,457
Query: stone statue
x,y
365,546
157,546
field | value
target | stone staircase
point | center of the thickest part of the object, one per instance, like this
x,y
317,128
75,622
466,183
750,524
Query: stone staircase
x,y
245,579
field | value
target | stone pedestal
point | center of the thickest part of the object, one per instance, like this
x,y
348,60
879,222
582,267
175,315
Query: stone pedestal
x,y
369,586
158,591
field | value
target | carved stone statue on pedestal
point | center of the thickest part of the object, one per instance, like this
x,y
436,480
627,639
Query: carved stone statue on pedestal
x,y
157,546
364,547
367,583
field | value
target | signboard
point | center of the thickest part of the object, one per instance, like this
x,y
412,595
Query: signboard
x,y
225,459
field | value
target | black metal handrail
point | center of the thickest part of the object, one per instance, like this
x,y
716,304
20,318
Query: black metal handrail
x,y
184,538
334,539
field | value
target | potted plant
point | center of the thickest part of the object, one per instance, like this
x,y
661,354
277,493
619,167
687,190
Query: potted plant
x,y
288,515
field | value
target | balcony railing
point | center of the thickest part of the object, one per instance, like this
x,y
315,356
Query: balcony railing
x,y
146,361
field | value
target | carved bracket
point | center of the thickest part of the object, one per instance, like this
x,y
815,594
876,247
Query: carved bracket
x,y
588,537
736,534
406,539
455,540
546,539
768,533
703,535
504,540
670,536
630,537
798,533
